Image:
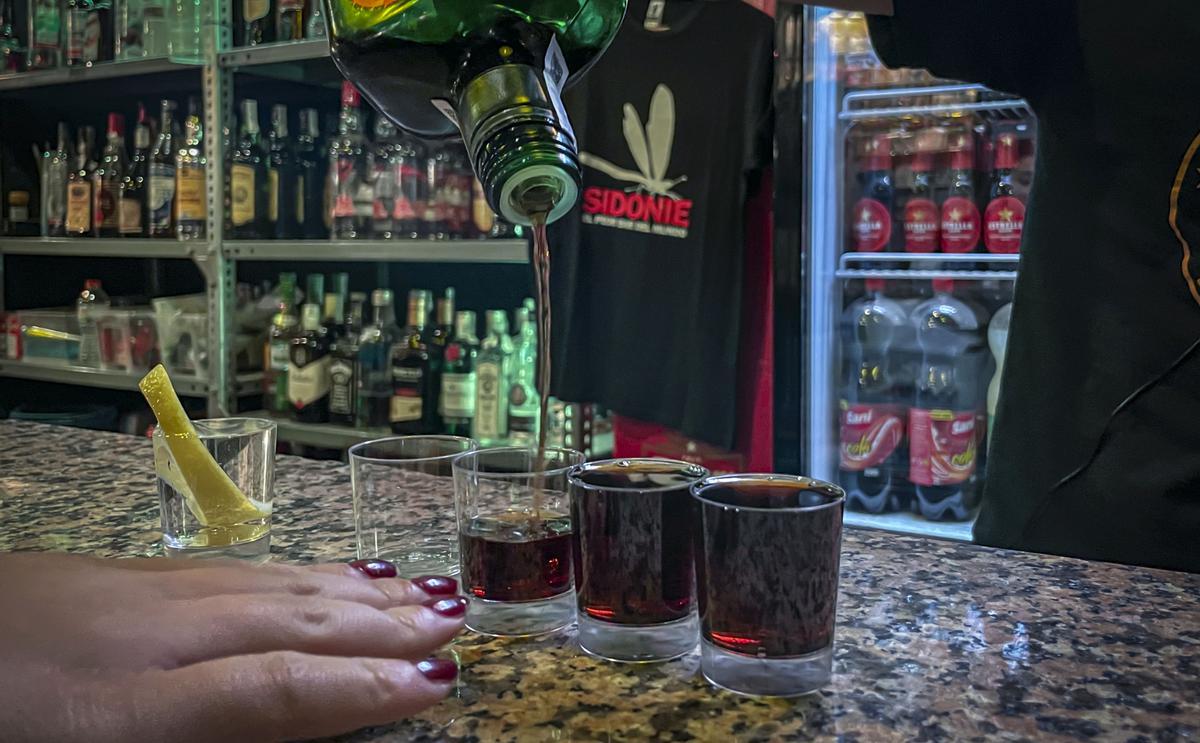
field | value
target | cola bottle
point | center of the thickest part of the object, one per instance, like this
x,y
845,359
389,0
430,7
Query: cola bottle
x,y
948,405
875,334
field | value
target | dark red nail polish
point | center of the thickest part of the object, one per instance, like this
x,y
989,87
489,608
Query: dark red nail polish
x,y
438,669
374,568
451,607
436,585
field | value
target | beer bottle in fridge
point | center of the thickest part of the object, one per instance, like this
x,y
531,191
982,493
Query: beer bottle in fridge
x,y
1004,218
921,216
960,214
871,215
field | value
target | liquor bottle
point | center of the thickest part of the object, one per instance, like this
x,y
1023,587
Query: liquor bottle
x,y
375,362
106,181
282,180
414,396
523,405
79,186
384,164
1004,218
160,200
190,165
156,34
314,288
458,192
279,339
54,186
433,184
456,405
130,24
132,216
410,193
92,301
45,32
483,219
335,315
255,22
314,28
345,166
506,99
871,218
343,369
310,182
961,229
439,339
308,371
10,44
289,20
491,381
248,180
89,32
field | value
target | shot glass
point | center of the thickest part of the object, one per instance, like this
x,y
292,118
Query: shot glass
x,y
767,555
514,532
634,581
403,491
245,449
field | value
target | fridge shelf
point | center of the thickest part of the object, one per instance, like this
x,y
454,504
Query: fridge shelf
x,y
925,274
995,262
893,102
908,523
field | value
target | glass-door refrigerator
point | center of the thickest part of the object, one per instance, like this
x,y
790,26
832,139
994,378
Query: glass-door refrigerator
x,y
913,205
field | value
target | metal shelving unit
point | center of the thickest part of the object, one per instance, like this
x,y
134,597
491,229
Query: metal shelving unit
x,y
215,257
324,435
89,377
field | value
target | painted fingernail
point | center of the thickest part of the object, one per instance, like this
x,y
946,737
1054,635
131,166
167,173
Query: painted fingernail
x,y
438,669
436,585
374,568
451,607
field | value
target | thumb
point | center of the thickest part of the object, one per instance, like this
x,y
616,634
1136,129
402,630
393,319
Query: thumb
x,y
288,695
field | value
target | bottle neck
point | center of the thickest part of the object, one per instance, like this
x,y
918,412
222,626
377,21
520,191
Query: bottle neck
x,y
383,314
333,309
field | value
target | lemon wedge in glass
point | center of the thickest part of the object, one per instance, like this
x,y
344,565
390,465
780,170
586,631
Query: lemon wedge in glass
x,y
211,495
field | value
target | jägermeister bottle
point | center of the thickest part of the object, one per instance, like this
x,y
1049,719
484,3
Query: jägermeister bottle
x,y
494,69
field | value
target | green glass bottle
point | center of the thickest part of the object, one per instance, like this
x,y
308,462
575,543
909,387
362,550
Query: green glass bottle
x,y
496,69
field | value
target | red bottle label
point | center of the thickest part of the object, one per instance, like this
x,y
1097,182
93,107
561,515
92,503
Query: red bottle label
x,y
1005,219
941,446
920,226
404,209
872,226
869,434
960,225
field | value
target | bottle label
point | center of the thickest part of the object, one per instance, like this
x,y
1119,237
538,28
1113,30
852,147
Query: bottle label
x,y
960,225
273,195
91,37
309,383
869,434
941,446
253,10
920,226
518,423
343,200
76,28
300,199
458,396
241,187
107,197
160,192
189,194
79,206
47,24
872,226
342,387
130,217
406,406
487,401
1005,220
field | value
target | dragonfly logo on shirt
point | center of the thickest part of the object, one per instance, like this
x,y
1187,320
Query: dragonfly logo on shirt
x,y
649,204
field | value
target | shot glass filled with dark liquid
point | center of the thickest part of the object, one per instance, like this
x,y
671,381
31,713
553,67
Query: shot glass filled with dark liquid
x,y
634,580
767,554
514,535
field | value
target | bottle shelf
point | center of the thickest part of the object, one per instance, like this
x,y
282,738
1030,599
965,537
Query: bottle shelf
x,y
102,247
277,53
999,266
909,523
403,251
88,377
889,103
98,71
323,435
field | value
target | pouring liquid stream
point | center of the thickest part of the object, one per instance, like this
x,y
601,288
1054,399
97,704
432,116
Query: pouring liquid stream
x,y
541,280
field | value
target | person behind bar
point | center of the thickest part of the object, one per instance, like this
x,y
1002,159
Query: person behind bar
x,y
1096,446
190,651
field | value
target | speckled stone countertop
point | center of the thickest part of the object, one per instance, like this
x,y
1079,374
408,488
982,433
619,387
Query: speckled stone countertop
x,y
936,640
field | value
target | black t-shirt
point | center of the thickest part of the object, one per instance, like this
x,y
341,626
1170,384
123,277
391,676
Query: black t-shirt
x,y
1096,448
647,272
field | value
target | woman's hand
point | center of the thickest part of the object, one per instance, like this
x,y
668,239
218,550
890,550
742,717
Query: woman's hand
x,y
213,650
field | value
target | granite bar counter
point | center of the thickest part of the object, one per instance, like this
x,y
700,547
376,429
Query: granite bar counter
x,y
936,640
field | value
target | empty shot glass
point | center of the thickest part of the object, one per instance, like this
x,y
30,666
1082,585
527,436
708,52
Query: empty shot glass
x,y
514,531
634,579
767,554
403,491
245,449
